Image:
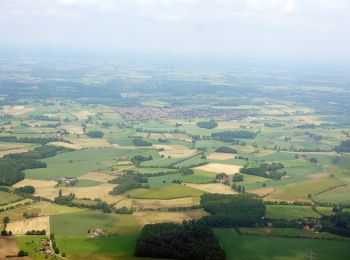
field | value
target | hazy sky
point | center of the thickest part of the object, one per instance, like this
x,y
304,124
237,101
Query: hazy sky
x,y
304,30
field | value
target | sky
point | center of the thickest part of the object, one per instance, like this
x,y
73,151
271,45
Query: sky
x,y
289,30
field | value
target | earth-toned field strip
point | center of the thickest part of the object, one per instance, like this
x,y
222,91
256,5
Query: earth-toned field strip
x,y
159,204
8,247
148,217
219,168
212,188
22,226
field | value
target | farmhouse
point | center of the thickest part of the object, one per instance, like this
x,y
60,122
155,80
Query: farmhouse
x,y
96,233
67,180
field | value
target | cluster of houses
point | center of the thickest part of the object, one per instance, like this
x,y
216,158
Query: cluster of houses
x,y
45,246
68,180
96,233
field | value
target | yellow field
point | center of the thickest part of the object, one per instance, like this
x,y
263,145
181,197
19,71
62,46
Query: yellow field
x,y
83,115
177,153
12,151
181,137
220,156
73,129
91,143
95,192
169,147
97,176
22,226
219,168
16,110
212,188
319,175
43,188
228,125
152,217
8,247
66,145
262,191
159,204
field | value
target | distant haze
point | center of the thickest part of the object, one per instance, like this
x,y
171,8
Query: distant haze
x,y
280,30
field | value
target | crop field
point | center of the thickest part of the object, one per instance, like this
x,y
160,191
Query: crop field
x,y
246,247
212,188
290,212
96,176
339,195
8,247
6,198
43,188
219,168
302,189
159,204
22,226
164,217
220,156
100,191
78,224
78,163
172,191
111,247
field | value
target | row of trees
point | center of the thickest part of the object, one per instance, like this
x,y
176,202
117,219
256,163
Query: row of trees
x,y
266,170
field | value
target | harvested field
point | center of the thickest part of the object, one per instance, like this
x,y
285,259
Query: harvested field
x,y
94,192
16,110
228,125
319,175
43,188
66,145
12,151
177,153
168,147
8,247
157,136
73,129
151,217
219,168
262,191
212,188
221,156
22,226
91,143
275,197
97,176
83,115
159,204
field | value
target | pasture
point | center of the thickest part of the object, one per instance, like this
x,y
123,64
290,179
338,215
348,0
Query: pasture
x,y
246,247
290,212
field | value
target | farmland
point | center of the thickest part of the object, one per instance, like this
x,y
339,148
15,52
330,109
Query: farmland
x,y
111,162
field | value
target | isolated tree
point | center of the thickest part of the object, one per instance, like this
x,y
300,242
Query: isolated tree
x,y
6,220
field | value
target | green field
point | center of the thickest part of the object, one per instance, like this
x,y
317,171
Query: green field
x,y
78,224
77,163
246,247
6,198
112,247
290,212
31,244
172,191
302,189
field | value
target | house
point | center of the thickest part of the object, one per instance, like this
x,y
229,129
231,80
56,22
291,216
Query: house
x,y
96,233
